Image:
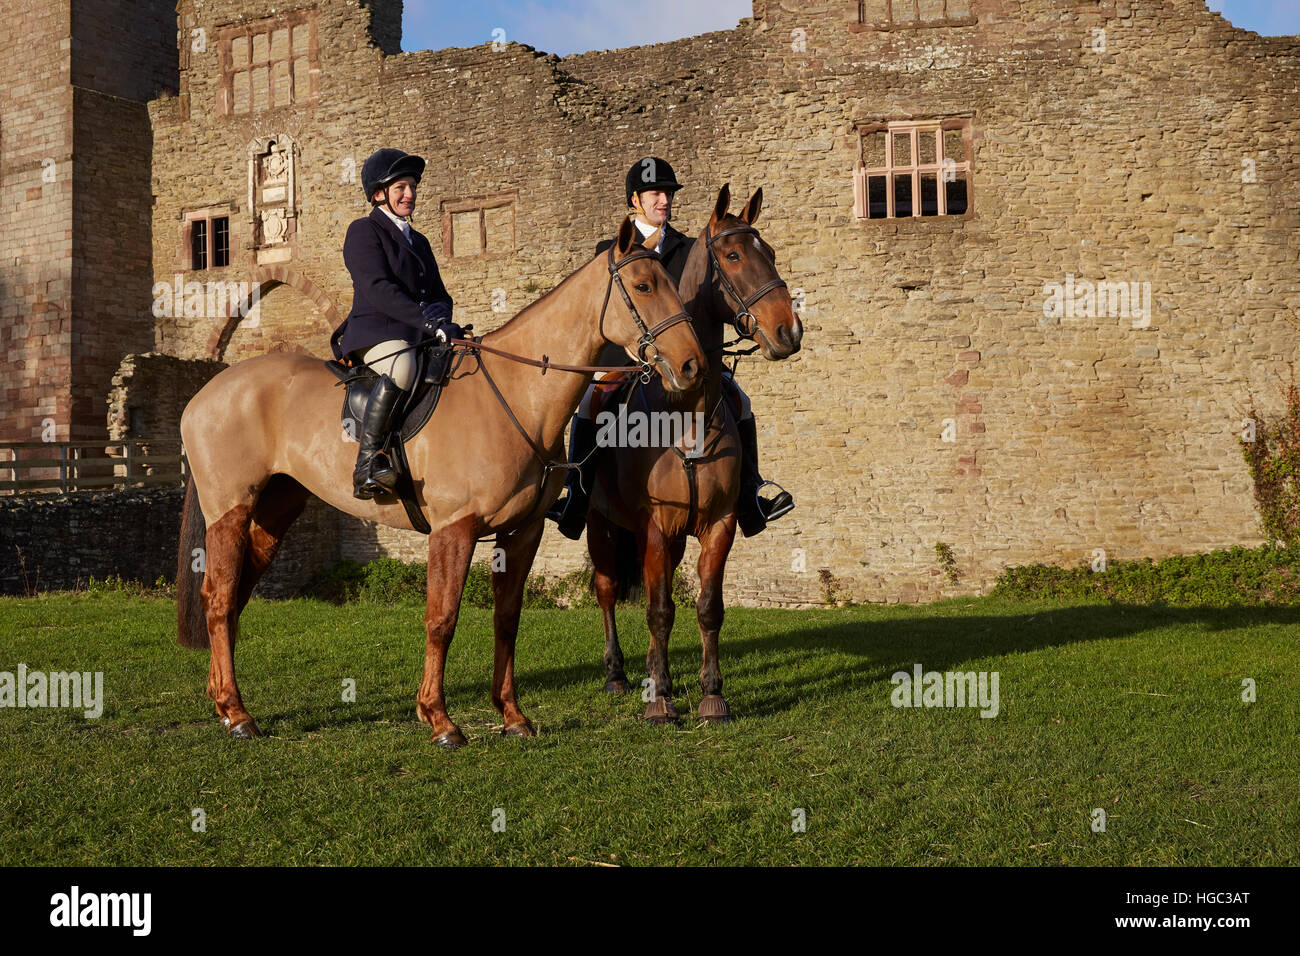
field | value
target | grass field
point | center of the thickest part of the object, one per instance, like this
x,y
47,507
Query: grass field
x,y
1134,710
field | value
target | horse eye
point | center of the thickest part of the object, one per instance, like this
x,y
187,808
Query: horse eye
x,y
643,287
733,256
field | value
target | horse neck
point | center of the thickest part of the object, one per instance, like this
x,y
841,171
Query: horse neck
x,y
708,318
564,326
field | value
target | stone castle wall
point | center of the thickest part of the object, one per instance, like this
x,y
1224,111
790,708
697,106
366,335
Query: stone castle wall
x,y
35,192
1106,156
75,154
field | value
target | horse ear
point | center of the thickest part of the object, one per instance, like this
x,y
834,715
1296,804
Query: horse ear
x,y
752,208
626,236
720,207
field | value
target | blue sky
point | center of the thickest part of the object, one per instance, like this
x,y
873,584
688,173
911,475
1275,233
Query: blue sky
x,y
574,26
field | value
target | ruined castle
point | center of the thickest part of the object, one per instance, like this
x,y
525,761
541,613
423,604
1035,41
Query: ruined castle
x,y
1044,250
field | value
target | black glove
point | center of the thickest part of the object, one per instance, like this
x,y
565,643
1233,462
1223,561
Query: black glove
x,y
449,330
437,320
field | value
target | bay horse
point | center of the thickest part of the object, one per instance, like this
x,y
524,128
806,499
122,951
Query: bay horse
x,y
662,495
266,433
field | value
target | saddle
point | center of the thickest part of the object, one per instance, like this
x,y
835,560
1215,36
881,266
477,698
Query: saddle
x,y
434,368
616,390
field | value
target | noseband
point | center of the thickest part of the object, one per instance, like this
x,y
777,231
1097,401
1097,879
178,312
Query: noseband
x,y
745,329
648,335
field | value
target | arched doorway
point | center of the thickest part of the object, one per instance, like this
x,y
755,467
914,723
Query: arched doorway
x,y
287,314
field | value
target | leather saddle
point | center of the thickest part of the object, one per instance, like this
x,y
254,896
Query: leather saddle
x,y
434,368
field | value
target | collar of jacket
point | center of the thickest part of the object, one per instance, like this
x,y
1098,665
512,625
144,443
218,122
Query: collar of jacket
x,y
672,239
378,215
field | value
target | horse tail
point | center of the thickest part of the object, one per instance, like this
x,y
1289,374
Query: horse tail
x,y
627,566
191,621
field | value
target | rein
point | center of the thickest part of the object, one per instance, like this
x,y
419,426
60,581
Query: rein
x,y
647,340
645,343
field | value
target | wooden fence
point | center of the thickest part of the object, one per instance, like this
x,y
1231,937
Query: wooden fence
x,y
78,466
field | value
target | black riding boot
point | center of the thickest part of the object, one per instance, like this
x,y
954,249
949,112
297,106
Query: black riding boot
x,y
752,512
570,512
374,475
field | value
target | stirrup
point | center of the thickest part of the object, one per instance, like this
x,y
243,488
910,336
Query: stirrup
x,y
374,484
782,504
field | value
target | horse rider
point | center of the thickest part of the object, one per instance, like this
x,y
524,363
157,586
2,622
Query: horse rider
x,y
650,187
398,299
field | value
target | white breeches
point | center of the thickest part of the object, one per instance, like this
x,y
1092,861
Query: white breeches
x,y
400,367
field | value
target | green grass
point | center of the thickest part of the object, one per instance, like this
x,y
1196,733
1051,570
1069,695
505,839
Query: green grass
x,y
1136,710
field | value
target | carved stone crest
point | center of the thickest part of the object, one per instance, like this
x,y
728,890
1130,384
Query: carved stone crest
x,y
272,197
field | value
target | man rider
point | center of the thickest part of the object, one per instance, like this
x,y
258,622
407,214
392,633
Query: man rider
x,y
398,299
650,187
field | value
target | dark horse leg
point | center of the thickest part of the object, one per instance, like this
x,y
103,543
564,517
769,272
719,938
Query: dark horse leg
x,y
224,547
602,538
714,548
659,558
247,540
508,600
450,551
278,506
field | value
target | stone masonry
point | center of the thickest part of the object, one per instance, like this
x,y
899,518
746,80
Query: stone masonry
x,y
75,205
938,396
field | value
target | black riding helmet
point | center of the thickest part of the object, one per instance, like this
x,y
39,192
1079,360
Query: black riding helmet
x,y
385,167
650,173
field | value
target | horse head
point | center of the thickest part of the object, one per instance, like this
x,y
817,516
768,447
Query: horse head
x,y
653,327
743,267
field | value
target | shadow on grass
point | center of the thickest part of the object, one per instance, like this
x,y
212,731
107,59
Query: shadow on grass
x,y
950,643
789,660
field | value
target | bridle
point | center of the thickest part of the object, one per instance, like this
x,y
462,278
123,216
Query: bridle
x,y
646,342
648,335
745,330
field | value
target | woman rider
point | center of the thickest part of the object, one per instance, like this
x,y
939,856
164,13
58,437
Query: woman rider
x,y
397,299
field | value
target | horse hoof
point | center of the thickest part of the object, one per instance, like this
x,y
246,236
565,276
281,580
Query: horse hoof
x,y
714,709
519,730
245,731
616,686
660,711
451,740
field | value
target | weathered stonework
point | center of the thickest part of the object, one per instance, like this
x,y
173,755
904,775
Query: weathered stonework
x,y
1111,141
75,153
54,542
150,391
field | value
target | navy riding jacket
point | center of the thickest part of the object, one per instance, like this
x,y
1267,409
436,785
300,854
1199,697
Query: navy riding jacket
x,y
391,279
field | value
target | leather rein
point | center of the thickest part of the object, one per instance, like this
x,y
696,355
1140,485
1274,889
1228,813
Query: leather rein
x,y
644,344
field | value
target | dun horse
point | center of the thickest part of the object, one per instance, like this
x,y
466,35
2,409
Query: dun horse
x,y
663,495
265,434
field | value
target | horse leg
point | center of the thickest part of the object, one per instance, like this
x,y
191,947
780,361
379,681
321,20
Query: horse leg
x,y
450,551
657,567
224,547
715,546
277,507
508,600
601,540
